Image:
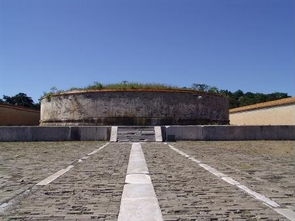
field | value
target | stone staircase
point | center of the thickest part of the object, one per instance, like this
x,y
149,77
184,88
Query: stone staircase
x,y
135,134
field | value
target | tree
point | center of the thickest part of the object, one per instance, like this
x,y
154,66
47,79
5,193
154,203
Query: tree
x,y
20,99
201,87
277,95
213,89
238,93
239,98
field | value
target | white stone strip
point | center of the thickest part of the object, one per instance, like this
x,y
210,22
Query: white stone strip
x,y
158,134
114,134
138,179
14,200
63,171
54,176
96,150
137,162
289,214
139,201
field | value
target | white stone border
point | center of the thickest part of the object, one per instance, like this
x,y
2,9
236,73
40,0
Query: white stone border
x,y
158,134
289,214
114,134
139,201
54,176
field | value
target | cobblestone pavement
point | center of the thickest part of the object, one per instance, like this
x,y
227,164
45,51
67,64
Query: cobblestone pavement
x,y
23,164
188,192
268,167
90,190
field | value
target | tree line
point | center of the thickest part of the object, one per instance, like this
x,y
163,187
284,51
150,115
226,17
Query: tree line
x,y
236,99
240,98
20,99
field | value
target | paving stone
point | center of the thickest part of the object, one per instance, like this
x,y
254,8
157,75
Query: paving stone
x,y
188,192
93,188
23,164
267,167
90,190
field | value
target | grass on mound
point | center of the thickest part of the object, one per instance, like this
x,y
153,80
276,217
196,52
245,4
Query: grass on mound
x,y
128,85
125,85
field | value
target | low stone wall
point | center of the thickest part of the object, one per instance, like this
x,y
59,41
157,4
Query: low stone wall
x,y
169,133
54,133
229,133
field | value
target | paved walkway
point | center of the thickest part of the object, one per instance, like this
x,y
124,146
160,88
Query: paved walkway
x,y
89,179
92,189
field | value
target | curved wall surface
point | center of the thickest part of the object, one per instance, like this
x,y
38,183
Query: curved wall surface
x,y
134,108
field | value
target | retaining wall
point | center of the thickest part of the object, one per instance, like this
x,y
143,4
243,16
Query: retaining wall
x,y
169,133
54,133
134,107
229,133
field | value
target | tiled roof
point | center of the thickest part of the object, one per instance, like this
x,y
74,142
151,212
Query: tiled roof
x,y
280,102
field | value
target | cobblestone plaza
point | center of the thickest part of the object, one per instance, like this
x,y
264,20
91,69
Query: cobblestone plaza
x,y
92,185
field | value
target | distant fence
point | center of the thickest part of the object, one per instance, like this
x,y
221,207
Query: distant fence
x,y
17,116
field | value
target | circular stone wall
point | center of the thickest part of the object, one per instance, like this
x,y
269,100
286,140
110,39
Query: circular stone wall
x,y
134,107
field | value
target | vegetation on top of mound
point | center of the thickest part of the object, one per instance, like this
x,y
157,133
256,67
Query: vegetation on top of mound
x,y
125,85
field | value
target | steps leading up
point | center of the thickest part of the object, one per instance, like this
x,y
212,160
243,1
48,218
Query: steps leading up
x,y
135,134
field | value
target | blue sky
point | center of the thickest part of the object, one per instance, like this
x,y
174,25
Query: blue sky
x,y
231,44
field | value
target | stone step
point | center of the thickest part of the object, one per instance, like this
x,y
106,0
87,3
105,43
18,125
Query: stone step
x,y
133,134
136,137
136,132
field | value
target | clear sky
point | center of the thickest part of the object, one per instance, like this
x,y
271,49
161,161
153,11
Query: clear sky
x,y
231,44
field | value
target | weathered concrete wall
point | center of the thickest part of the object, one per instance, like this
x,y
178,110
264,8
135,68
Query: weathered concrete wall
x,y
12,115
134,108
230,133
278,115
24,133
169,133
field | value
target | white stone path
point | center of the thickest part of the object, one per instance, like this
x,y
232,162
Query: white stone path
x,y
139,201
